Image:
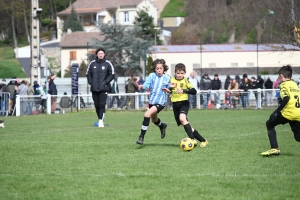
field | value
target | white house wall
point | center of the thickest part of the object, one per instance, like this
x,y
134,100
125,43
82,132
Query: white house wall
x,y
225,59
81,54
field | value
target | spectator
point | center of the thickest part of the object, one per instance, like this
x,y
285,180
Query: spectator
x,y
269,92
277,93
30,93
245,86
12,88
53,92
132,88
140,82
260,84
216,86
65,101
43,99
227,82
205,84
248,93
233,90
192,97
3,98
75,102
22,91
37,92
114,90
100,73
254,87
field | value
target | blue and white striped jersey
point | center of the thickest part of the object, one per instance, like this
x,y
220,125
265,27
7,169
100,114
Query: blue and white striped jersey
x,y
155,84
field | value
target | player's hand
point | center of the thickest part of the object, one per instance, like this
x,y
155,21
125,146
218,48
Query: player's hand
x,y
173,85
179,91
166,90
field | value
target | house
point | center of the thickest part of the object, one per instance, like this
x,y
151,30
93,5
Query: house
x,y
76,47
229,58
92,12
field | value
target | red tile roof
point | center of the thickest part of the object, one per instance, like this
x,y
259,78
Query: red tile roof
x,y
79,39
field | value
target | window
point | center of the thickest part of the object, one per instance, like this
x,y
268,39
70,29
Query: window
x,y
234,65
212,65
126,16
250,64
73,55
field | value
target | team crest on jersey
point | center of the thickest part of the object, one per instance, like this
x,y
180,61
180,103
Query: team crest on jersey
x,y
103,68
181,85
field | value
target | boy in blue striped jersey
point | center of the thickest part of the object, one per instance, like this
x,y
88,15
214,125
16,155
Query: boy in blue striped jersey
x,y
157,81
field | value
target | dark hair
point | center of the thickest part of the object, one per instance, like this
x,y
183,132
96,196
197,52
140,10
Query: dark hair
x,y
286,71
65,93
180,66
100,49
159,61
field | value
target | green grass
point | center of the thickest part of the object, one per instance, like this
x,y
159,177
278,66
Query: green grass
x,y
9,66
66,157
174,8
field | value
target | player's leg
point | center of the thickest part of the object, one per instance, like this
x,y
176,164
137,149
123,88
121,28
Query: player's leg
x,y
151,112
162,126
271,123
295,126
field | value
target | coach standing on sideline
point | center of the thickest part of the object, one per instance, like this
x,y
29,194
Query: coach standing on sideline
x,y
100,73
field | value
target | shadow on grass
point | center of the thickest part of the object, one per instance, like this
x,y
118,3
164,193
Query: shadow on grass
x,y
165,145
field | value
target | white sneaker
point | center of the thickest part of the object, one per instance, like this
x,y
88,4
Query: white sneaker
x,y
100,124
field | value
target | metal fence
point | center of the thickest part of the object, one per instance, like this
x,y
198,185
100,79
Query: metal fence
x,y
221,99
5,103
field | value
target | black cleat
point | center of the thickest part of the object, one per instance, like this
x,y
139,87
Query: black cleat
x,y
140,141
163,131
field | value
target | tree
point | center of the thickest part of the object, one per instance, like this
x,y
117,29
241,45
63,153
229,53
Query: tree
x,y
146,23
72,22
124,48
286,20
81,70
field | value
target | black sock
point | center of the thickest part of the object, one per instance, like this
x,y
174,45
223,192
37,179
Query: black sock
x,y
198,136
188,130
145,126
273,139
159,123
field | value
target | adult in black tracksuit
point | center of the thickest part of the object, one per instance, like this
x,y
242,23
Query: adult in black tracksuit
x,y
100,73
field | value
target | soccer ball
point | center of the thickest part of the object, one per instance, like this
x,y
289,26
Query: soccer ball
x,y
187,144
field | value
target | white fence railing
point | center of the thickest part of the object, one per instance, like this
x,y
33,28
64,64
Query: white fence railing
x,y
221,99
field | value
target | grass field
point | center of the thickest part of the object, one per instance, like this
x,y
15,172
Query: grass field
x,y
9,66
66,157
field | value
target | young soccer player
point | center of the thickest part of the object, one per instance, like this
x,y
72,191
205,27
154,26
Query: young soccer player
x,y
181,88
156,82
287,112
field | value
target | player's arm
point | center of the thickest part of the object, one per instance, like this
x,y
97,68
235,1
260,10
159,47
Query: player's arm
x,y
190,91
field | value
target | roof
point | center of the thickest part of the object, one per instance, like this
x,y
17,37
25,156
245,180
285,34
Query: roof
x,y
94,6
223,48
79,39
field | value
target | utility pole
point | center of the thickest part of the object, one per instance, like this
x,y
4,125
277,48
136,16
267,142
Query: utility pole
x,y
35,66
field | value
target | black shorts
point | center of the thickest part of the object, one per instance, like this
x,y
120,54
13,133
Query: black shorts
x,y
295,125
158,107
180,107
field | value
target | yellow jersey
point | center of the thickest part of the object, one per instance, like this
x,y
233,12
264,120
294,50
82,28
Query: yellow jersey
x,y
291,110
182,84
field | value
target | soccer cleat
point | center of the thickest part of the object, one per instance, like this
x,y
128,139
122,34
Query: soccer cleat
x,y
163,131
204,144
140,141
195,142
100,124
271,152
